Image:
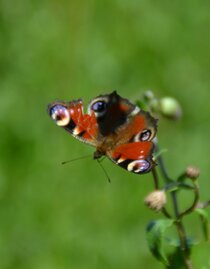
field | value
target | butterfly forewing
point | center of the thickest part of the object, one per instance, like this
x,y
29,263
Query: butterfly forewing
x,y
82,126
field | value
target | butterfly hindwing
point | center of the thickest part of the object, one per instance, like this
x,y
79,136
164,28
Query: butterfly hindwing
x,y
135,157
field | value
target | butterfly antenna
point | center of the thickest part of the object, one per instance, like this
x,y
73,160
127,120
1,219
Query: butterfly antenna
x,y
76,159
99,162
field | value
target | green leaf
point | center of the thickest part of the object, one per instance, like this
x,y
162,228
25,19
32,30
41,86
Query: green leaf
x,y
155,234
142,105
175,242
176,260
204,221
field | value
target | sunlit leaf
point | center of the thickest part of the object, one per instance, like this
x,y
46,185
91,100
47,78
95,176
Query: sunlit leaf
x,y
142,105
155,236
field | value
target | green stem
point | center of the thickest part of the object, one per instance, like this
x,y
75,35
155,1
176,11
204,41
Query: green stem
x,y
179,224
155,177
168,180
165,175
195,202
183,245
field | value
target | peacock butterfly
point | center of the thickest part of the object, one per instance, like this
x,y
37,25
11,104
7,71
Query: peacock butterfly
x,y
117,129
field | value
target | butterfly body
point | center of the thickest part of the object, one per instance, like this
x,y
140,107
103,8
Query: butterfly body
x,y
114,126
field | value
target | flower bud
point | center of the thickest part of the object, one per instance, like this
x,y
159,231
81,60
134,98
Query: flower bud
x,y
148,95
156,200
155,106
192,172
170,108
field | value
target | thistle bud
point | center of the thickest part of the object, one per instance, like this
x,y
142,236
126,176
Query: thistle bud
x,y
192,172
170,108
156,200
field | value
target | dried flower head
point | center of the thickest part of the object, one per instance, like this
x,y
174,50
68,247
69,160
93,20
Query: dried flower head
x,y
192,172
156,200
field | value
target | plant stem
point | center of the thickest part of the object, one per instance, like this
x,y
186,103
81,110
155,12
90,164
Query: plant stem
x,y
179,224
168,180
194,204
183,245
165,175
155,177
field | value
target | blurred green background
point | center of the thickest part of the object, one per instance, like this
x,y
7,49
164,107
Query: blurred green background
x,y
54,216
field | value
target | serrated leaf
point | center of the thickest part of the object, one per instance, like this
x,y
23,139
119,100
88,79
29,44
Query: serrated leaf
x,y
155,234
204,216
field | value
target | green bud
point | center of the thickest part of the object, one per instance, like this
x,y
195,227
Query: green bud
x,y
170,108
148,95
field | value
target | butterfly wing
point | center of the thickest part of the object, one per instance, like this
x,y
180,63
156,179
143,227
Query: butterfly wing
x,y
70,116
115,126
135,157
134,144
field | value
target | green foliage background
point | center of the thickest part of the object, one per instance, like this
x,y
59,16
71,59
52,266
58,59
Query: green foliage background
x,y
54,216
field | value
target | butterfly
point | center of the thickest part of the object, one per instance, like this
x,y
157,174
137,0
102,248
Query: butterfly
x,y
117,128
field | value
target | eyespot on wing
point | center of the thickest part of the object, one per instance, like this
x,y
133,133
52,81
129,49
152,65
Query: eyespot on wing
x,y
138,166
59,114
